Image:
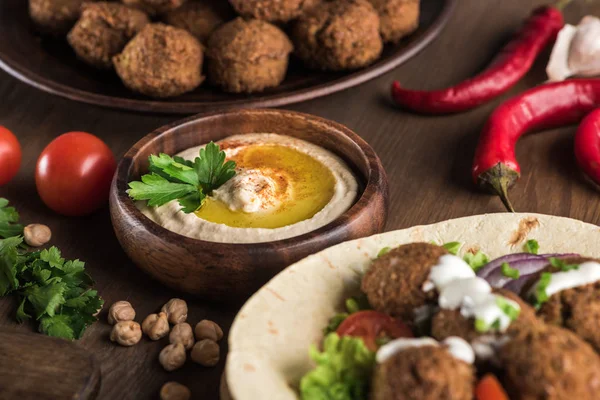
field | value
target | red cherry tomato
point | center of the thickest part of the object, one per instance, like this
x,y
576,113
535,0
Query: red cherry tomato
x,y
10,155
74,172
489,388
372,325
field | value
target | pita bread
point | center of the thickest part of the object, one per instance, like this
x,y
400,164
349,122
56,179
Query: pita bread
x,y
271,335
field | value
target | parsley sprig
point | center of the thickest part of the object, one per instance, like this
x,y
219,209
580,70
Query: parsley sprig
x,y
9,218
55,292
188,182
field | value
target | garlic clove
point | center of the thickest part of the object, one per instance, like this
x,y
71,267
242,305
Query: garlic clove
x,y
558,67
584,54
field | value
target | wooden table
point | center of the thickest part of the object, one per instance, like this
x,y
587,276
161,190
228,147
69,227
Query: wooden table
x,y
428,162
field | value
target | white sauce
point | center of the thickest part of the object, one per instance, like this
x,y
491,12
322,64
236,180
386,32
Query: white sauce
x,y
459,288
487,346
588,272
457,347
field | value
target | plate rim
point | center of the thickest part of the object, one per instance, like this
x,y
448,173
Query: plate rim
x,y
356,78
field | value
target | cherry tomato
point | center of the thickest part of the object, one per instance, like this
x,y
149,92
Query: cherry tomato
x,y
489,388
74,172
10,155
372,325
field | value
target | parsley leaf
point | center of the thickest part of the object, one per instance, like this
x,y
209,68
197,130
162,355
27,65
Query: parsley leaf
x,y
188,182
58,326
212,169
477,260
8,220
158,190
509,272
560,264
540,289
531,246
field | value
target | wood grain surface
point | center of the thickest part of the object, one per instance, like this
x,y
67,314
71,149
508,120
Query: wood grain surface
x,y
427,161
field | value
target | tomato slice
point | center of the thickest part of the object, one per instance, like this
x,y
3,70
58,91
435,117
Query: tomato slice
x,y
489,388
372,325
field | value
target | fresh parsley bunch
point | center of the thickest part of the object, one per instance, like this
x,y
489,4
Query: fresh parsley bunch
x,y
188,182
8,220
55,292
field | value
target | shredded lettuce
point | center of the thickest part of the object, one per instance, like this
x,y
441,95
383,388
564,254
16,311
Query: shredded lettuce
x,y
383,251
343,370
452,247
477,260
353,305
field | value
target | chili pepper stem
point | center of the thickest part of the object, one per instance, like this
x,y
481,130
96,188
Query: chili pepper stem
x,y
497,180
562,4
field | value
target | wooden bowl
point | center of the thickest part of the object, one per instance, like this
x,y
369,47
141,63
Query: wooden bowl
x,y
223,271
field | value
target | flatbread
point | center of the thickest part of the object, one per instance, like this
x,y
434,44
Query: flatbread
x,y
271,335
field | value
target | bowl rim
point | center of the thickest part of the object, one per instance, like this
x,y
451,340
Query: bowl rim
x,y
375,181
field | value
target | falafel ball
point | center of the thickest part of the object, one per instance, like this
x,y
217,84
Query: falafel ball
x,y
398,18
577,309
550,363
161,61
247,56
446,323
423,373
200,18
155,7
394,282
55,16
103,30
338,35
273,10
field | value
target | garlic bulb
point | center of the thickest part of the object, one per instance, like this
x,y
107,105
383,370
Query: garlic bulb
x,y
576,51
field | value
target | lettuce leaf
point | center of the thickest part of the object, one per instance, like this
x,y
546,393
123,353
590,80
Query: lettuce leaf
x,y
343,370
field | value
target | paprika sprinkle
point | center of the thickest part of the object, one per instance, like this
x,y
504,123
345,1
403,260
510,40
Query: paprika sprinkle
x,y
507,68
587,146
495,167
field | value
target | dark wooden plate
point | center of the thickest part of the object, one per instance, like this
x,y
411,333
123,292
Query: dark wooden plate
x,y
50,65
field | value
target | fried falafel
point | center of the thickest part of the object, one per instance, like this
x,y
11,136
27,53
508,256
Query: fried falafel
x,y
161,61
398,18
423,373
200,18
247,56
103,31
394,282
550,363
55,16
446,323
155,7
273,10
340,35
577,309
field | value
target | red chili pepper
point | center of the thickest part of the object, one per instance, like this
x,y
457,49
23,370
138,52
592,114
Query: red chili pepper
x,y
587,146
495,167
507,68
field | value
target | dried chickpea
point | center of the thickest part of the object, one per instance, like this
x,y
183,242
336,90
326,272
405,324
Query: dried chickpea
x,y
156,326
206,352
126,333
174,391
36,235
176,310
182,333
120,311
172,357
206,329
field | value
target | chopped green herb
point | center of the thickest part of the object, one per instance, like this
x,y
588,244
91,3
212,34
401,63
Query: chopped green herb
x,y
481,326
540,288
9,218
511,309
380,341
173,178
383,251
343,370
353,305
509,272
477,260
531,246
452,247
563,266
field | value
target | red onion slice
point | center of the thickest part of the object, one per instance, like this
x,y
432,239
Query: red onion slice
x,y
495,264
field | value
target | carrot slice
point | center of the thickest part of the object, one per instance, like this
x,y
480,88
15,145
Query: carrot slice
x,y
489,388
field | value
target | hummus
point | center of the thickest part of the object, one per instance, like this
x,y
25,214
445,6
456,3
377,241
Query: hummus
x,y
283,187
